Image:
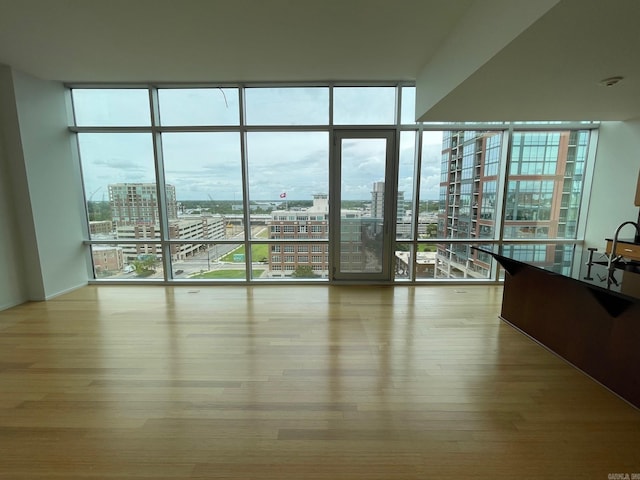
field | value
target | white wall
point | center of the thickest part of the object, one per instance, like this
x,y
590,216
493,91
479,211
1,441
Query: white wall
x,y
13,288
45,199
54,183
486,28
614,182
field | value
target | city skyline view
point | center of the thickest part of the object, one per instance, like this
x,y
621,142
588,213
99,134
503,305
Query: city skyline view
x,y
215,153
208,164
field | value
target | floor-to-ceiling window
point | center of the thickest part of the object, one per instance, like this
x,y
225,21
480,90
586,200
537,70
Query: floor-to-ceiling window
x,y
231,183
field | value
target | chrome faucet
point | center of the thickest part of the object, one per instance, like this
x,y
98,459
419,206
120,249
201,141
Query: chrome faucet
x,y
611,265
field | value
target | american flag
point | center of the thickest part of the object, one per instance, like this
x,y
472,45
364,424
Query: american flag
x,y
283,195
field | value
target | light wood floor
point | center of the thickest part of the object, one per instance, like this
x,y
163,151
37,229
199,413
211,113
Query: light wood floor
x,y
301,382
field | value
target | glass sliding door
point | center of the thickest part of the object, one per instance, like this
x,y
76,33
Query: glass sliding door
x,y
363,201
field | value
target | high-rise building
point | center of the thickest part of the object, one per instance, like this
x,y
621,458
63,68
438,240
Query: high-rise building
x,y
134,210
377,202
542,200
136,203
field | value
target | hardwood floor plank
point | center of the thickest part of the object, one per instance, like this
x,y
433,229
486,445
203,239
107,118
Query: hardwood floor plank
x,y
303,382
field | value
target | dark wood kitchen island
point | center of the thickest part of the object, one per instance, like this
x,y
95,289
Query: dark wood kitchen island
x,y
592,323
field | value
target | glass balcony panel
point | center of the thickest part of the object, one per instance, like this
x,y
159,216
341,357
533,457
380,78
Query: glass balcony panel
x,y
453,261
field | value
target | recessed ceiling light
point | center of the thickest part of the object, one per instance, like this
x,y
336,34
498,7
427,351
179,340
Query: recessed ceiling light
x,y
610,82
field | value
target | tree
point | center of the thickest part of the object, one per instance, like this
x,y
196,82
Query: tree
x,y
432,230
303,271
98,211
145,265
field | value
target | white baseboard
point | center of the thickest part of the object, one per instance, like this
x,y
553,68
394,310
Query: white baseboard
x,y
67,290
7,306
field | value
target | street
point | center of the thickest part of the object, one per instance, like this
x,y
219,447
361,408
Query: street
x,y
209,260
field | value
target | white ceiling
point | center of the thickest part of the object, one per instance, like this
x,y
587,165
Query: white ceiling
x,y
552,70
547,71
220,41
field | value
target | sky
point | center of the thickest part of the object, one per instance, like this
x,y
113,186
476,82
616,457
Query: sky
x,y
207,165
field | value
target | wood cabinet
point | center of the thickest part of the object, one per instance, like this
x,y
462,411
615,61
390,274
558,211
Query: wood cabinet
x,y
627,249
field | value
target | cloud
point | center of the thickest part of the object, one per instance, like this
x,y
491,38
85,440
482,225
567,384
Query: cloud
x,y
120,164
200,164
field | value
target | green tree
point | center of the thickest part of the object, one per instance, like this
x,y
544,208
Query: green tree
x,y
432,230
145,265
98,211
303,271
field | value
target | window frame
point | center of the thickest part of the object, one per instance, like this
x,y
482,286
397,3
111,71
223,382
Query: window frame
x,y
156,129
